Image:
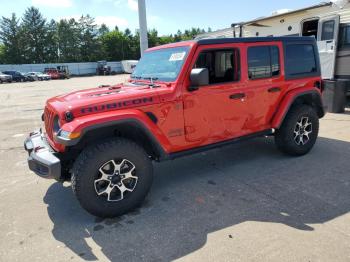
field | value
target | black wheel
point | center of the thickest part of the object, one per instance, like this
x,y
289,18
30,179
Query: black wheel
x,y
299,131
112,177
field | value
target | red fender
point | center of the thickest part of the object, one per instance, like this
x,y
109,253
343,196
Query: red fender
x,y
288,100
84,123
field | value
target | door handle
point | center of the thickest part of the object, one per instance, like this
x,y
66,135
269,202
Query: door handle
x,y
237,96
274,89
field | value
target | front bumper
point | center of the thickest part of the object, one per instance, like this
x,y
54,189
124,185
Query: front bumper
x,y
42,160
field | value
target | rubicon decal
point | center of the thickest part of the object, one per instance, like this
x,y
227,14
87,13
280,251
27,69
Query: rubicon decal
x,y
115,105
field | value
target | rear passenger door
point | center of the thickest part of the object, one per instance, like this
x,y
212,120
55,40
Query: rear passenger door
x,y
265,84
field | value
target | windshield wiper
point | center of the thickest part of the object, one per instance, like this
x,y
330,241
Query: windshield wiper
x,y
152,79
136,77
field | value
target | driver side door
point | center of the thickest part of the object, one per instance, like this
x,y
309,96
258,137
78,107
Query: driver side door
x,y
217,111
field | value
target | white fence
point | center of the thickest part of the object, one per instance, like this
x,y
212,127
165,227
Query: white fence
x,y
74,68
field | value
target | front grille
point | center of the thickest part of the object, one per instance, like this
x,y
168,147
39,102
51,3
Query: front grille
x,y
49,117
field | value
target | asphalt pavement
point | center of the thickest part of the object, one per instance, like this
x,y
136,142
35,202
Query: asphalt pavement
x,y
245,202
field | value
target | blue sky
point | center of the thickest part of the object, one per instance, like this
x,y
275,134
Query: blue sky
x,y
164,15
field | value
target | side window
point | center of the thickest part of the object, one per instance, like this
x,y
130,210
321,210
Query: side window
x,y
344,40
275,61
263,62
327,30
300,59
222,64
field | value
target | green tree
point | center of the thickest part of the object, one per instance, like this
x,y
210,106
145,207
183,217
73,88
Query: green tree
x,y
178,36
153,38
11,38
51,43
68,41
35,31
114,46
127,32
35,41
166,40
2,54
89,45
103,30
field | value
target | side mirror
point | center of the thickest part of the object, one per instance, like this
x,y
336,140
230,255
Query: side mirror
x,y
199,77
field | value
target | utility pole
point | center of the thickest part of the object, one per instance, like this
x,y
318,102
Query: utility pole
x,y
143,26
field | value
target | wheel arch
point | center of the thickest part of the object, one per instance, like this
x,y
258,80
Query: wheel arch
x,y
130,129
310,97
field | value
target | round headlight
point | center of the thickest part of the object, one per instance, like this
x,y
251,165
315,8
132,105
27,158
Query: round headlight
x,y
69,116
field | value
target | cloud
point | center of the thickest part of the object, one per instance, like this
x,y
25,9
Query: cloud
x,y
133,5
52,3
111,21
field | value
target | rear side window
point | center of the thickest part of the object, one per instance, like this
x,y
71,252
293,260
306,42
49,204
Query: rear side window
x,y
327,30
263,62
344,40
300,60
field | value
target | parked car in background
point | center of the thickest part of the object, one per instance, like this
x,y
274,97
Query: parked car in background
x,y
52,72
5,78
39,76
17,76
30,77
61,72
44,76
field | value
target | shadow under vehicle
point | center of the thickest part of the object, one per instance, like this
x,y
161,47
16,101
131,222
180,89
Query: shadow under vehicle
x,y
196,196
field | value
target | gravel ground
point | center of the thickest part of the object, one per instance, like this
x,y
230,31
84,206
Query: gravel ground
x,y
246,202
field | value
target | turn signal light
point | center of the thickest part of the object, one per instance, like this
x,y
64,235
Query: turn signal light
x,y
74,135
69,135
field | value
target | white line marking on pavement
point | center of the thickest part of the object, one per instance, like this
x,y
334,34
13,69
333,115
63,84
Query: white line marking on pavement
x,y
18,135
96,249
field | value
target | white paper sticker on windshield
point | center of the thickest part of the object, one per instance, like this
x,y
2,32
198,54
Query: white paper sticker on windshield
x,y
177,56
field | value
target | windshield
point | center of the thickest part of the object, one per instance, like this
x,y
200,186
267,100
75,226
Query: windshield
x,y
162,64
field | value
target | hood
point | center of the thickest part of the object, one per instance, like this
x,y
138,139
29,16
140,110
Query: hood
x,y
104,98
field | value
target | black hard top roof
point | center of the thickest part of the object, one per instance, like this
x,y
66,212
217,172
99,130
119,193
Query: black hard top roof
x,y
212,41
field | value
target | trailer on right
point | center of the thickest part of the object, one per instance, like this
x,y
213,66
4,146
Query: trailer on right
x,y
328,22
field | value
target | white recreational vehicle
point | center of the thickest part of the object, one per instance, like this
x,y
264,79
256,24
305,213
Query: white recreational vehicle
x,y
328,22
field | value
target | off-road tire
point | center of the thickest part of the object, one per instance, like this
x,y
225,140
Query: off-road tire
x,y
284,136
87,165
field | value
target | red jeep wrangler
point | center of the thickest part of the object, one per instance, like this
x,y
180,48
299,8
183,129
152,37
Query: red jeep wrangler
x,y
182,98
52,72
